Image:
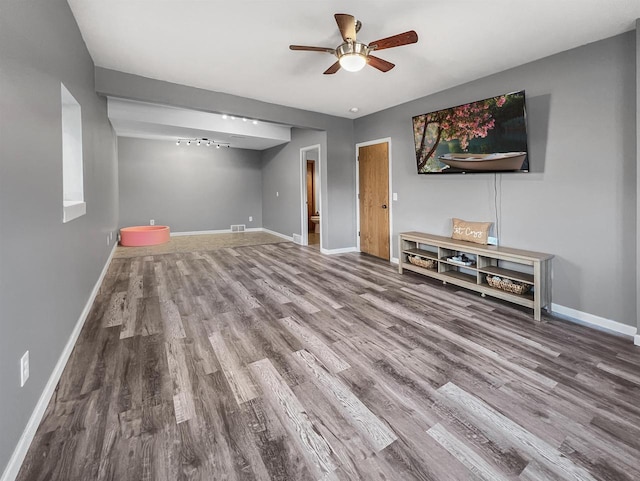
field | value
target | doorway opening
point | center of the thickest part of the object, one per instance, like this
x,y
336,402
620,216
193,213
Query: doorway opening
x,y
311,220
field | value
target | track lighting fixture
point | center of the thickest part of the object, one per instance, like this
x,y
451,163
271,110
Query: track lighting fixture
x,y
200,141
244,119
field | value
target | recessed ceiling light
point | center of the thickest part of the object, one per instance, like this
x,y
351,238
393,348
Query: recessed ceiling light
x,y
353,109
224,116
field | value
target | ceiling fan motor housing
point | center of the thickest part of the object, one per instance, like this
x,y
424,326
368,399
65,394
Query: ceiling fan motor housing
x,y
352,48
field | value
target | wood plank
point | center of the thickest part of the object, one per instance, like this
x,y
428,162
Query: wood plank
x,y
179,372
292,415
315,345
378,435
239,380
491,419
480,468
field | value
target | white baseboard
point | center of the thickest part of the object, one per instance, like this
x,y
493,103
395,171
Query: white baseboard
x,y
19,453
636,340
200,232
395,260
592,320
272,232
343,250
207,232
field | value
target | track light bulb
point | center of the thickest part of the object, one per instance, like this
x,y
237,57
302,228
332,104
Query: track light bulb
x,y
198,142
209,144
217,146
188,142
178,142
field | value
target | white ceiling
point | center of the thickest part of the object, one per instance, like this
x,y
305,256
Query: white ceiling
x,y
159,122
241,46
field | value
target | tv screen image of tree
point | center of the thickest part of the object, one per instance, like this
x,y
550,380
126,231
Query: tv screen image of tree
x,y
485,136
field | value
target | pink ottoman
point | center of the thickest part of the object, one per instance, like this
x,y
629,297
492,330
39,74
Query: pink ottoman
x,y
144,235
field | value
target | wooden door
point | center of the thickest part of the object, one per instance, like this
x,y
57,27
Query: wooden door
x,y
373,179
311,204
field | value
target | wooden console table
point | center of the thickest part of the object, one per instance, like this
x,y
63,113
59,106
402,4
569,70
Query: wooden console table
x,y
520,267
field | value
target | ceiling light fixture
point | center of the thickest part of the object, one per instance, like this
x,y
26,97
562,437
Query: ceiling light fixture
x,y
353,110
199,141
244,119
352,56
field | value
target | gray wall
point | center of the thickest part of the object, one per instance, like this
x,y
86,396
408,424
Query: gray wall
x,y
47,268
338,172
580,202
188,188
638,177
281,173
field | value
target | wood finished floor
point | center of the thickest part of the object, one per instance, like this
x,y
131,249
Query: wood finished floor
x,y
275,362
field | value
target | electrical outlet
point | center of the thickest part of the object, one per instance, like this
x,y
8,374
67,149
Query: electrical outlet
x,y
108,239
152,222
250,218
24,368
395,196
277,194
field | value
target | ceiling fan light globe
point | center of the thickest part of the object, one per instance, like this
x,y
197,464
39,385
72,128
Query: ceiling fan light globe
x,y
352,62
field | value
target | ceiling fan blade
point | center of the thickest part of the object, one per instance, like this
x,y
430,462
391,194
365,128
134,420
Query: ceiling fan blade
x,y
395,41
380,64
333,69
312,49
347,25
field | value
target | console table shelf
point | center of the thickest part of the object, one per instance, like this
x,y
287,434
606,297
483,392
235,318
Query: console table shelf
x,y
530,269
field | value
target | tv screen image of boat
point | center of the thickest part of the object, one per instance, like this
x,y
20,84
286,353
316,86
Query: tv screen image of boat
x,y
489,135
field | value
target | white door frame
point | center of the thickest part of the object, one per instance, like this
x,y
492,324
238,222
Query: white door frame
x,y
304,220
386,140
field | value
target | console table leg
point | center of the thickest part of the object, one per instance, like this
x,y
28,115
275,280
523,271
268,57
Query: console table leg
x,y
537,291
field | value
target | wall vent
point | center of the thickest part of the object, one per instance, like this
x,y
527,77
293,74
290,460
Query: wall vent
x,y
238,228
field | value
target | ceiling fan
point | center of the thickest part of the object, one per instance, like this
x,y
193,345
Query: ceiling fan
x,y
353,55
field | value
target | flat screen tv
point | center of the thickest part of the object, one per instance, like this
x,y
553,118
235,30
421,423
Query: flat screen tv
x,y
485,136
